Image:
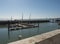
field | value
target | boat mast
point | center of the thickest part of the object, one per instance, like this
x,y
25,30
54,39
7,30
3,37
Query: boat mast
x,y
22,17
29,17
11,18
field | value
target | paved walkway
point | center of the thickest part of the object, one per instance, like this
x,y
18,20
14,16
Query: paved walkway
x,y
37,38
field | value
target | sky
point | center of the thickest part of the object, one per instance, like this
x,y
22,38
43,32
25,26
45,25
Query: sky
x,y
35,8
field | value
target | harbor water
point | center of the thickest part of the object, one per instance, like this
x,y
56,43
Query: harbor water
x,y
10,36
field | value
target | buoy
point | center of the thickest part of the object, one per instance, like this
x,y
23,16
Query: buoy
x,y
20,36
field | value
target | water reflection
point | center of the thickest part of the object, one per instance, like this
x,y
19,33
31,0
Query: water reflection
x,y
8,34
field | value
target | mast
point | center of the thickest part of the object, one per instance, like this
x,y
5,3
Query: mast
x,y
11,18
22,17
29,17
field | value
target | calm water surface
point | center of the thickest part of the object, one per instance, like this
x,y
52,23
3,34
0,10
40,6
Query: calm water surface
x,y
10,36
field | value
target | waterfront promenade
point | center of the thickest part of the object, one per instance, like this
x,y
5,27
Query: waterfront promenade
x,y
52,37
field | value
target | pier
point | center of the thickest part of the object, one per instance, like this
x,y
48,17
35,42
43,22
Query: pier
x,y
20,21
21,26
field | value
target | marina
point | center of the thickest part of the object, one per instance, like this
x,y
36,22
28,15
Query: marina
x,y
29,21
15,35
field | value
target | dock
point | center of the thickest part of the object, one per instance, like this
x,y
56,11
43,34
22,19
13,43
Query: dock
x,y
21,26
